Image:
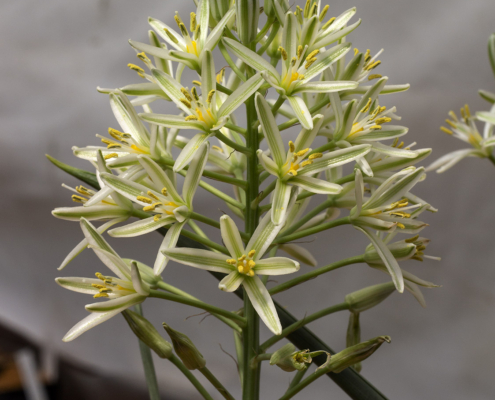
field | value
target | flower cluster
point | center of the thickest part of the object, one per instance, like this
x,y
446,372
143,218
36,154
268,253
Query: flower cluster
x,y
347,153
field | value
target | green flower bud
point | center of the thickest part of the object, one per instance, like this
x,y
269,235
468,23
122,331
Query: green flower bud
x,y
289,359
269,8
218,8
185,349
355,354
147,333
354,335
400,250
369,297
273,49
248,12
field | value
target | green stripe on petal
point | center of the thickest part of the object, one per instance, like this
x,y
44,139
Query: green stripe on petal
x,y
171,87
231,236
301,110
126,116
324,61
280,201
231,282
94,238
169,242
333,37
120,303
204,20
240,95
299,253
202,259
306,136
263,236
125,187
141,227
113,262
325,87
173,121
137,283
315,185
93,213
159,177
262,303
289,36
80,285
335,158
189,151
194,173
208,75
276,266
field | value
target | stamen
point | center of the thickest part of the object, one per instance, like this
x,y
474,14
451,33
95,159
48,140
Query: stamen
x,y
242,258
412,240
301,153
111,155
78,199
375,127
374,76
197,83
448,131
217,148
356,51
300,50
152,195
139,70
98,295
194,93
401,226
157,217
96,286
186,94
164,191
324,12
114,146
314,10
191,118
367,106
310,63
100,276
306,8
149,208
307,162
383,120
373,65
315,155
194,23
328,23
313,54
292,147
144,199
251,253
186,103
284,54
143,57
170,36
221,75
367,55
183,30
210,96
231,261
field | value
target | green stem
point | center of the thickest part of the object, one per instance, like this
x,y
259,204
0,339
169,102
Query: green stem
x,y
236,146
207,242
225,197
301,385
241,321
304,321
312,230
188,374
172,289
264,30
327,146
223,89
297,378
149,367
314,273
235,128
271,37
231,63
204,219
277,105
260,357
216,383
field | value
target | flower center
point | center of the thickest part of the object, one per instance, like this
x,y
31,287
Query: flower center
x,y
159,205
200,112
107,287
297,160
244,264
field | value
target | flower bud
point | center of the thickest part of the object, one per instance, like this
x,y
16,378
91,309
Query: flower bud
x,y
218,8
248,12
355,354
273,49
369,297
354,335
185,349
147,333
400,250
269,8
289,359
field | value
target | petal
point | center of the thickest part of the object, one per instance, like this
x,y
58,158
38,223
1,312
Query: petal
x,y
171,87
263,236
393,151
204,20
113,262
339,22
217,31
120,303
306,136
128,119
159,177
387,258
391,163
141,227
416,292
280,201
359,193
387,132
289,36
267,163
169,242
276,266
301,110
94,238
324,61
450,159
194,173
231,282
270,130
79,285
189,151
173,121
299,253
160,27
335,158
240,95
89,322
325,87
231,236
262,303
92,213
202,259
315,185
324,41
125,187
208,74
251,58
139,286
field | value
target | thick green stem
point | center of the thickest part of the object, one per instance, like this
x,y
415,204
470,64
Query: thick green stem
x,y
216,383
199,304
188,374
312,230
314,273
149,367
304,321
235,128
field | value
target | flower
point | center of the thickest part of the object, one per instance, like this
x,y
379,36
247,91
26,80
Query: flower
x,y
130,287
204,113
297,71
160,199
190,45
297,166
465,129
244,265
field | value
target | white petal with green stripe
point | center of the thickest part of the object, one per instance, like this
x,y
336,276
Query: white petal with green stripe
x,y
189,151
240,95
202,259
231,282
315,185
276,266
141,227
231,236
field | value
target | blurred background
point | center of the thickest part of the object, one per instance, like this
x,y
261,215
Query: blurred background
x,y
56,52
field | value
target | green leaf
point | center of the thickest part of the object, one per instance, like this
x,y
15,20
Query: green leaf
x,y
85,176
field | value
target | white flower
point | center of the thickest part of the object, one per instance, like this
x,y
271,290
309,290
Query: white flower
x,y
244,265
160,199
131,285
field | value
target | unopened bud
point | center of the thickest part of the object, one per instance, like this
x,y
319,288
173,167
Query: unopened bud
x,y
247,14
355,354
185,349
400,250
289,359
147,333
369,297
354,334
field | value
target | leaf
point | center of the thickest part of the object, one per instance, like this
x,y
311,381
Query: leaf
x,y
85,176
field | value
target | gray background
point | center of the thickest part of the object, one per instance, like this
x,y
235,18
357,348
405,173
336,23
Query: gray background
x,y
54,55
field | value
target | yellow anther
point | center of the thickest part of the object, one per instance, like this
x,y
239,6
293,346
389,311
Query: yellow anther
x,y
164,191
453,116
448,131
324,12
356,51
301,77
314,10
292,147
310,63
114,146
242,258
401,145
401,226
96,286
412,240
100,276
328,23
251,253
183,30
231,261
301,153
468,111
221,75
313,54
293,61
139,70
306,8
373,65
98,295
197,83
149,208
105,290
191,118
395,143
210,96
157,217
106,141
240,268
83,191
400,214
300,50
115,134
194,23
171,36
367,106
251,263
417,258
111,155
315,156
449,122
143,199
186,94
307,162
143,57
284,54
383,120
186,103
419,254
374,76
194,93
375,127
78,199
421,248
152,195
251,273
403,203
367,55
217,148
